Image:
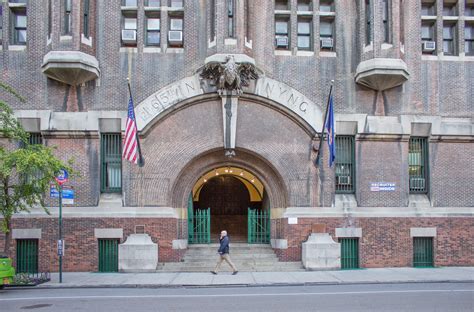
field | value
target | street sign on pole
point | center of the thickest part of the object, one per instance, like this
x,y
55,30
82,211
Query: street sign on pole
x,y
61,178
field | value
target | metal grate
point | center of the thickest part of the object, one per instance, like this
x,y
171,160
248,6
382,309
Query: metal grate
x,y
27,256
345,164
349,253
108,255
111,164
199,226
423,252
418,165
258,226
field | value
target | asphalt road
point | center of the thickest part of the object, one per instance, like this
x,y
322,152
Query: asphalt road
x,y
373,297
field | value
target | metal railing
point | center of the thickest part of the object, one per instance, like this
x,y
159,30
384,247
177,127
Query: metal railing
x,y
258,226
111,163
345,164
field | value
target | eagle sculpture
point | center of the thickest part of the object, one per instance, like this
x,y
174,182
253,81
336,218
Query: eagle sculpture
x,y
229,76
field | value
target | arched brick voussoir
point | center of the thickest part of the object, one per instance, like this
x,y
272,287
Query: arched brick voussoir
x,y
262,169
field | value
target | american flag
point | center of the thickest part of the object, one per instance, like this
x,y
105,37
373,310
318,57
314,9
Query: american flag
x,y
130,143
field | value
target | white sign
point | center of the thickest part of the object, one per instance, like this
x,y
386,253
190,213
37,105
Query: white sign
x,y
382,187
292,220
60,247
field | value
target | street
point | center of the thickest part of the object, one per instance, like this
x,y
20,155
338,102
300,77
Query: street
x,y
364,297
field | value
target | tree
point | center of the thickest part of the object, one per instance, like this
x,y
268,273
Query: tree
x,y
26,170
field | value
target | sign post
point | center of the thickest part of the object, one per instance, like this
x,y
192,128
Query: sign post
x,y
61,179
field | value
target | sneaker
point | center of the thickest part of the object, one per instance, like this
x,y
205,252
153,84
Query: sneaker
x,y
235,272
214,272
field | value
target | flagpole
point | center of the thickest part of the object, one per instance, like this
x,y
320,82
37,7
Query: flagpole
x,y
141,160
316,162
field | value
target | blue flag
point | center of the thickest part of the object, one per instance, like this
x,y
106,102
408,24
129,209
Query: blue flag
x,y
330,127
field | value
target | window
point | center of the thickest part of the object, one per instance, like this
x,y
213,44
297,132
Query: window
x,y
212,20
449,8
423,252
418,165
86,19
129,28
50,17
469,9
345,164
469,39
281,5
153,31
386,20
304,34
326,6
1,24
368,21
326,33
449,39
281,33
230,18
175,35
428,8
67,17
427,37
27,256
176,3
304,5
129,3
34,138
111,159
153,3
19,26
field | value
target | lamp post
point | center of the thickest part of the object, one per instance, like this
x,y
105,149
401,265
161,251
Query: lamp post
x,y
61,179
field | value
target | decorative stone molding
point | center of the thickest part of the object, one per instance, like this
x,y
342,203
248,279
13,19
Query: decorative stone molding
x,y
423,232
349,232
26,233
108,233
382,73
70,67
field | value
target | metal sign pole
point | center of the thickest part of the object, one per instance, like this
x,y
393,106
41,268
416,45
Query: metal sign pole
x,y
60,242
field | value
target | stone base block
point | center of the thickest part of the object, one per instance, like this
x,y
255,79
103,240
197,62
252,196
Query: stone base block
x,y
138,254
320,252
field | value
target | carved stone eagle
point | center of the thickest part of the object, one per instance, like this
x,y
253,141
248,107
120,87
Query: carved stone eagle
x,y
229,76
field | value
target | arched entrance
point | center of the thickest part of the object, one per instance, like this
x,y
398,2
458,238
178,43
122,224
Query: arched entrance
x,y
229,198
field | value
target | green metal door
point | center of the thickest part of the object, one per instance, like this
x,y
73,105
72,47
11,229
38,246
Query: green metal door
x,y
199,224
349,253
423,252
258,226
108,255
27,256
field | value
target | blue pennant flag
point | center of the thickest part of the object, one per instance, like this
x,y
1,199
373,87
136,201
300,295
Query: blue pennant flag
x,y
330,128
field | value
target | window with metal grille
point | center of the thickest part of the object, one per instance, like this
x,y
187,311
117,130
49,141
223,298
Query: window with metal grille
x,y
418,165
108,255
85,24
111,162
345,164
423,252
27,255
349,253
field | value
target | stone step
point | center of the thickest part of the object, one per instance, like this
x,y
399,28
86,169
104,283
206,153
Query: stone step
x,y
233,256
281,266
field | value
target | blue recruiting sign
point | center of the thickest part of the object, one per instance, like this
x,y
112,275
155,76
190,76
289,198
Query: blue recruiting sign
x,y
382,187
68,193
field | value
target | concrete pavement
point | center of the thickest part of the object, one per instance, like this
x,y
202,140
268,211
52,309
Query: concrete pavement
x,y
179,279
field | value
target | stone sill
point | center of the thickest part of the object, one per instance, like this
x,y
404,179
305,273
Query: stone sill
x,y
174,50
304,53
86,41
230,41
282,52
129,49
16,47
151,50
327,54
65,38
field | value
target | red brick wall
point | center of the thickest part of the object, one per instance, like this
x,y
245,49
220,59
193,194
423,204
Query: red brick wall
x,y
386,242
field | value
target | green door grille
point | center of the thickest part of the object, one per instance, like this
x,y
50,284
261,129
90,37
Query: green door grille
x,y
345,164
423,252
111,163
108,255
258,226
349,253
199,226
418,165
27,255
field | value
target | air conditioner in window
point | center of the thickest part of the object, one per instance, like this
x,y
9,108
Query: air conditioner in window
x,y
281,41
344,180
327,43
175,36
429,46
129,36
417,184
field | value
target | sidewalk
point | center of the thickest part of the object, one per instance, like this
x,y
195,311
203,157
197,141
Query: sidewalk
x,y
362,276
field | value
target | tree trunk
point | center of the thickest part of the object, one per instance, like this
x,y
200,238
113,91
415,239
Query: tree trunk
x,y
6,247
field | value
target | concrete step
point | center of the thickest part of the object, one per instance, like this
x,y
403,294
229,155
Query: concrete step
x,y
233,256
281,266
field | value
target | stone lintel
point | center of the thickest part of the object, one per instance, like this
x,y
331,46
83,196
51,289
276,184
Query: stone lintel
x,y
108,233
30,124
423,232
349,232
26,233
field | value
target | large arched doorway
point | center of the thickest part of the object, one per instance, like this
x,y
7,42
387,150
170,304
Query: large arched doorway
x,y
230,197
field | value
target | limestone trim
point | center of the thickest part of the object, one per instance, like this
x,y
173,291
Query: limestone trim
x,y
26,233
102,212
349,232
108,233
423,232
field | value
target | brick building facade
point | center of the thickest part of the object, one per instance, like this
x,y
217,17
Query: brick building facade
x,y
403,76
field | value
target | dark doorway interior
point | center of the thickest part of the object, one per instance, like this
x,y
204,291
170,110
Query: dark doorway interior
x,y
229,201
